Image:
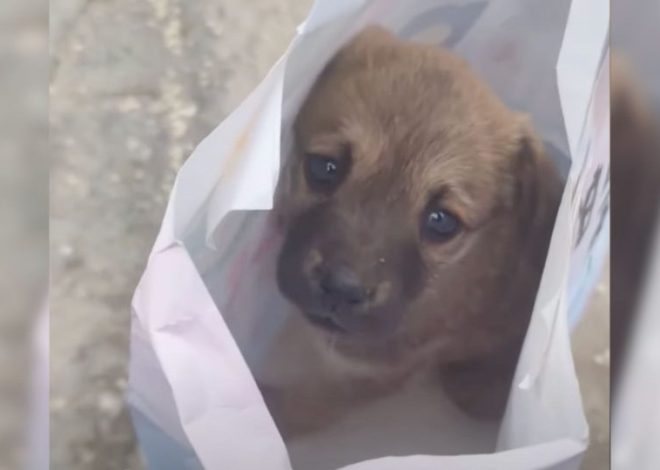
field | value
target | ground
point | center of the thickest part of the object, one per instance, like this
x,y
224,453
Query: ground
x,y
134,86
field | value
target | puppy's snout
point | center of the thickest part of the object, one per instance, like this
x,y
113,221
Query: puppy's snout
x,y
342,287
340,290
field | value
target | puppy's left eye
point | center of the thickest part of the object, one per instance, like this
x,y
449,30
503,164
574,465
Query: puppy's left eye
x,y
440,225
323,173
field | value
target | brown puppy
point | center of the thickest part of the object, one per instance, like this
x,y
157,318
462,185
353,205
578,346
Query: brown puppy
x,y
418,212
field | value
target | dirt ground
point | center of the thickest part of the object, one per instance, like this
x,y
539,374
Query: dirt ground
x,y
135,85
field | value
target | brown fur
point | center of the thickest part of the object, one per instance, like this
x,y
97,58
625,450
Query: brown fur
x,y
418,129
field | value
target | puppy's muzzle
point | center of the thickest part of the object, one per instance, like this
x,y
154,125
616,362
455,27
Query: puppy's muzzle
x,y
343,296
341,288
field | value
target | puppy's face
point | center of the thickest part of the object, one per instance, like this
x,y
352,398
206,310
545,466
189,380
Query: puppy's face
x,y
405,201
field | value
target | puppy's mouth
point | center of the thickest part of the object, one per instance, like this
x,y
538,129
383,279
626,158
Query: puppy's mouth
x,y
327,324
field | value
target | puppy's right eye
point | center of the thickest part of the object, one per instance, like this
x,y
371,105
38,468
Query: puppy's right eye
x,y
323,173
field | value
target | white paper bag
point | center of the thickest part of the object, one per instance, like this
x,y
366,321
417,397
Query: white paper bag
x,y
194,398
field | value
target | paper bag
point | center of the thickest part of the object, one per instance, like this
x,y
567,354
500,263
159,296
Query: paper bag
x,y
197,339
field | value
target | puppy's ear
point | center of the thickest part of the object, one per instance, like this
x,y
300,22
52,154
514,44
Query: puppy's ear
x,y
537,193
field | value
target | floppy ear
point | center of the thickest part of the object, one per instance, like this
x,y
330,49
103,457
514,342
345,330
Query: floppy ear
x,y
537,194
536,190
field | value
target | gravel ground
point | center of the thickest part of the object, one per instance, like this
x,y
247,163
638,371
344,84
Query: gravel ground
x,y
134,86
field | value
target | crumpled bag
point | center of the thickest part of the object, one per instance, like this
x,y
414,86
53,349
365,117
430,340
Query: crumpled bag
x,y
196,341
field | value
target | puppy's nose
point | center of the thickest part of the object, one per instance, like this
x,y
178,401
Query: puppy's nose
x,y
341,286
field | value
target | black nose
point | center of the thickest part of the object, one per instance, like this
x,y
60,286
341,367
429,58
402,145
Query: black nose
x,y
342,287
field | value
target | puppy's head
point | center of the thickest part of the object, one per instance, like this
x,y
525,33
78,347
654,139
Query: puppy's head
x,y
409,201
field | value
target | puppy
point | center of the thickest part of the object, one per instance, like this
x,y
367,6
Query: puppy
x,y
418,211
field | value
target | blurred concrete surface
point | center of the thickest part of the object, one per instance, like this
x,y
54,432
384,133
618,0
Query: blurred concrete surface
x,y
23,209
135,85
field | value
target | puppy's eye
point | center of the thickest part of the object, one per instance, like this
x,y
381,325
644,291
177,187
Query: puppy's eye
x,y
440,225
323,173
